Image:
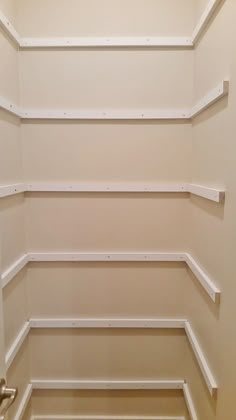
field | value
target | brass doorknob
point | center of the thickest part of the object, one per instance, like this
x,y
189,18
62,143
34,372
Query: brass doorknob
x,y
6,393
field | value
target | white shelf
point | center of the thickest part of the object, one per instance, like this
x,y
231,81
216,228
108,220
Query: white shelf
x,y
203,278
114,42
155,114
204,20
213,194
121,323
106,42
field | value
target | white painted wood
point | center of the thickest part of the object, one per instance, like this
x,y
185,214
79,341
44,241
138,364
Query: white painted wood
x,y
189,402
154,323
201,191
9,29
111,417
10,107
24,402
108,323
102,114
14,269
7,190
211,98
206,372
102,256
2,324
129,114
17,343
112,385
205,192
136,323
205,19
96,42
203,278
109,42
106,187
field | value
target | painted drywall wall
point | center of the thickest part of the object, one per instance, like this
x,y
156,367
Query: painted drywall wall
x,y
107,354
213,227
105,18
87,222
106,152
106,79
138,403
107,290
12,230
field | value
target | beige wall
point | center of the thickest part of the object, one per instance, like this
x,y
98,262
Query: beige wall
x,y
106,290
108,151
166,403
107,354
13,232
104,18
87,222
213,227
123,79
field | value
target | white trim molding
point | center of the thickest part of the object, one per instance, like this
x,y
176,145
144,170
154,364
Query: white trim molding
x,y
24,402
210,98
14,269
206,17
203,364
203,278
12,189
105,417
16,345
9,29
109,257
213,194
127,385
122,187
122,323
189,402
102,114
107,385
151,323
154,114
107,42
10,107
209,193
187,42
